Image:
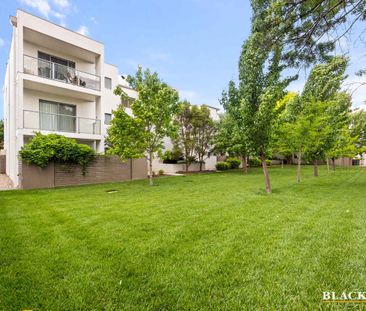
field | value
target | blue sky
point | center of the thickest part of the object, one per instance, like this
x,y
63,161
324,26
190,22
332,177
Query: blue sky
x,y
194,45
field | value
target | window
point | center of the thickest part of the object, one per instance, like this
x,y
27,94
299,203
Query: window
x,y
58,70
55,59
107,118
127,102
108,83
57,117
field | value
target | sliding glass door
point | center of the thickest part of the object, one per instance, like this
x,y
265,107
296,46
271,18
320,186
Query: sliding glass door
x,y
57,117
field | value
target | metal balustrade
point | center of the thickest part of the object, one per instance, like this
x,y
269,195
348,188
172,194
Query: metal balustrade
x,y
38,120
50,70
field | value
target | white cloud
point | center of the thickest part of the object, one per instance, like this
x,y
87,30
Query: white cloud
x,y
2,42
83,30
62,4
42,6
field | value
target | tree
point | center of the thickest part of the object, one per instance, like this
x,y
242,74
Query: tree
x,y
358,130
229,139
142,133
185,139
293,127
260,89
340,140
204,128
325,108
307,30
232,132
1,134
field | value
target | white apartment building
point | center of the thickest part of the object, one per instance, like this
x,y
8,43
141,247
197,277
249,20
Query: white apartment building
x,y
57,81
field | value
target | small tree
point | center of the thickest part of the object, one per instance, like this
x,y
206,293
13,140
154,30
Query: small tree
x,y
185,139
261,87
327,109
293,127
232,132
358,130
142,133
204,128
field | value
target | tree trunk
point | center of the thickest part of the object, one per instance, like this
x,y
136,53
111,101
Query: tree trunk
x,y
266,175
299,168
282,163
187,166
200,166
244,163
333,164
328,164
315,163
151,182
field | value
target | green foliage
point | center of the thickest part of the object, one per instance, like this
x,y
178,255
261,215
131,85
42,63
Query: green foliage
x,y
358,130
231,134
222,166
196,131
255,162
142,133
43,149
186,138
233,162
315,125
161,172
205,129
261,87
306,29
172,156
325,80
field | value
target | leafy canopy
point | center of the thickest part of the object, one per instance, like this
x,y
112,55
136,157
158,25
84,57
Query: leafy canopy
x,y
142,133
43,149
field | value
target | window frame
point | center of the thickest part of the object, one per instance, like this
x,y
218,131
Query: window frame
x,y
105,119
105,84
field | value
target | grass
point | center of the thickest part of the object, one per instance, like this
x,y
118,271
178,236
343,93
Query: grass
x,y
200,242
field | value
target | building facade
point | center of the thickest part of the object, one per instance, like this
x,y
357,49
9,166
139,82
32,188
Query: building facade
x,y
57,81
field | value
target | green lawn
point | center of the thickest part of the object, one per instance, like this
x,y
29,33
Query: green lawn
x,y
201,242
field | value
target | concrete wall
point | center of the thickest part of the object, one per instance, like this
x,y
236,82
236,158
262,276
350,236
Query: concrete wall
x,y
102,170
174,168
343,162
2,164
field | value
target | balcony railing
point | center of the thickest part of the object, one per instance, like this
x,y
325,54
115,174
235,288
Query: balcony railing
x,y
38,120
50,70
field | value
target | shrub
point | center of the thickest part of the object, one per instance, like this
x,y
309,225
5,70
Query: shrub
x,y
222,166
161,172
253,162
43,149
233,162
172,156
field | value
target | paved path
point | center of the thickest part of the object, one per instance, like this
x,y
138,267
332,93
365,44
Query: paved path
x,y
5,182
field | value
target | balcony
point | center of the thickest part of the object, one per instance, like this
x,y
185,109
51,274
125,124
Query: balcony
x,y
37,120
54,71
